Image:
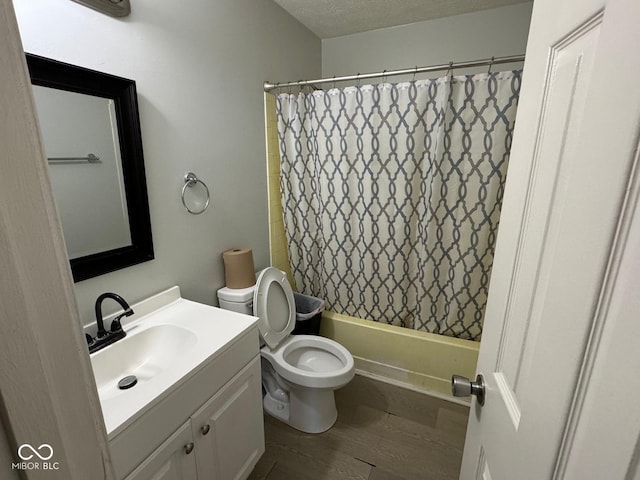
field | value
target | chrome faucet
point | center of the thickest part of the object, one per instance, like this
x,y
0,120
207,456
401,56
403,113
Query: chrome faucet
x,y
115,333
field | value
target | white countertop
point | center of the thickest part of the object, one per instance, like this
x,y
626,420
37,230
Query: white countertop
x,y
213,329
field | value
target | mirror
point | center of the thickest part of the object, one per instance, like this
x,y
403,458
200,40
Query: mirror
x,y
91,131
115,8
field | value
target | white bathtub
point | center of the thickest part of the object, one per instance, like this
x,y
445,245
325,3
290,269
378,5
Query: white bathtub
x,y
413,359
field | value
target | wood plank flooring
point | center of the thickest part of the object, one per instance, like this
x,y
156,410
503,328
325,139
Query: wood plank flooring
x,y
383,432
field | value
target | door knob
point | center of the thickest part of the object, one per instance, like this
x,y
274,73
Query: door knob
x,y
188,448
463,387
205,429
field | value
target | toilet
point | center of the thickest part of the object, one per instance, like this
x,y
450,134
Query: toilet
x,y
299,372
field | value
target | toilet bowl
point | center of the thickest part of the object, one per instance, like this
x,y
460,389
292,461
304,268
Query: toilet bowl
x,y
299,372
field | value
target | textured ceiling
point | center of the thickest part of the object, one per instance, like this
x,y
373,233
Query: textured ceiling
x,y
332,18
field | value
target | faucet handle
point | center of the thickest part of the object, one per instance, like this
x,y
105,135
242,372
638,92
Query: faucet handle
x,y
116,326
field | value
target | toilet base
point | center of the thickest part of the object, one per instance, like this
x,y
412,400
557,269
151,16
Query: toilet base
x,y
276,408
312,410
308,410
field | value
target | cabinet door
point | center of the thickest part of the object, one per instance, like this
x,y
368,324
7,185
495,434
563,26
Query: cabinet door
x,y
173,460
229,430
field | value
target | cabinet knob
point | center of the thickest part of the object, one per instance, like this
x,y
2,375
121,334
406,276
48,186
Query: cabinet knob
x,y
205,429
188,448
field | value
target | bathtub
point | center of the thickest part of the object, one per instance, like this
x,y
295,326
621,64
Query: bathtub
x,y
409,358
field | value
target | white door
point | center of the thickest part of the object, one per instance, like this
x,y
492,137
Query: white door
x,y
561,320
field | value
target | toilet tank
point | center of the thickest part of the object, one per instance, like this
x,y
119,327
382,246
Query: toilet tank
x,y
237,299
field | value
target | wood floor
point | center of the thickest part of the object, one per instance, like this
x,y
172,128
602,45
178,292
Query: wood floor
x,y
383,432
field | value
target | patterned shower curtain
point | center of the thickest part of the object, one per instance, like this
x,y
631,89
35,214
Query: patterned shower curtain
x,y
392,193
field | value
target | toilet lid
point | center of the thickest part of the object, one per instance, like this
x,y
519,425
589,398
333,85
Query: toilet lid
x,y
274,305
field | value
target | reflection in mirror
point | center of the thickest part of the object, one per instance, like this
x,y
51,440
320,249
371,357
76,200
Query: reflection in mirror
x,y
74,126
115,8
91,132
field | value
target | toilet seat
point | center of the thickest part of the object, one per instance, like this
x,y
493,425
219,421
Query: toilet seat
x,y
274,305
325,373
325,363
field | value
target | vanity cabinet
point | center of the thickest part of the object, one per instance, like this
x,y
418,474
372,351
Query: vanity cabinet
x,y
222,440
228,430
173,460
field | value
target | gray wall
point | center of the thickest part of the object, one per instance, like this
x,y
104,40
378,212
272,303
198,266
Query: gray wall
x,y
496,32
199,68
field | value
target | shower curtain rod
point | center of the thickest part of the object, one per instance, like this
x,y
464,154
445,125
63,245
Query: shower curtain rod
x,y
406,71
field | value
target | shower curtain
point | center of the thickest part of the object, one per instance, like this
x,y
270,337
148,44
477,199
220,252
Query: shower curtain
x,y
391,196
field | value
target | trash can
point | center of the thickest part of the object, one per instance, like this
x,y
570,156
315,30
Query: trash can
x,y
308,314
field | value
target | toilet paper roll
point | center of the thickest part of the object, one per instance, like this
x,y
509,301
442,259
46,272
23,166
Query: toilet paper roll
x,y
239,271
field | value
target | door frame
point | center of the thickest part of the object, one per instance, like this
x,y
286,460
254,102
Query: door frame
x,y
47,389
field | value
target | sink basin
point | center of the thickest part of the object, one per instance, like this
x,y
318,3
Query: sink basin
x,y
144,354
168,340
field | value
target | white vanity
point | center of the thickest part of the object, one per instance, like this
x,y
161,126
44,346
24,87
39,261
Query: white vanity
x,y
196,409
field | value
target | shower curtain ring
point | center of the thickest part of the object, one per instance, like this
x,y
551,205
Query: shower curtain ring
x,y
450,71
384,76
334,82
358,79
414,74
491,64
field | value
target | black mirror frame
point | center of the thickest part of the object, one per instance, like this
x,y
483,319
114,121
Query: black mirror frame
x,y
62,76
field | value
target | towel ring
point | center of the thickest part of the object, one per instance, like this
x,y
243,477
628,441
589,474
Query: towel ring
x,y
190,180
